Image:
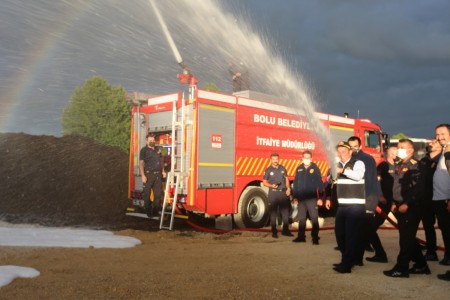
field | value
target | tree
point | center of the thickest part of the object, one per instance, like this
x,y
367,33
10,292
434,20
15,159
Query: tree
x,y
209,86
400,136
99,111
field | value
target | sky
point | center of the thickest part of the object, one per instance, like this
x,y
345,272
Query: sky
x,y
34,236
388,61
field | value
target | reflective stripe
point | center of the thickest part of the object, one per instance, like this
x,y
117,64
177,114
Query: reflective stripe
x,y
349,181
351,201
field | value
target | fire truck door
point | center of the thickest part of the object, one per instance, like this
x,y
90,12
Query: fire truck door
x,y
216,146
340,133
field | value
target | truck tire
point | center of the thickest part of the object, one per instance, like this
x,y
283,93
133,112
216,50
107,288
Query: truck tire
x,y
253,211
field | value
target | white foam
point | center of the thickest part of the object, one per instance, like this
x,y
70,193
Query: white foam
x,y
9,273
32,236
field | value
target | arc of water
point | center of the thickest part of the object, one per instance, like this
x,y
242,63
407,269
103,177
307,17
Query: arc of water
x,y
168,36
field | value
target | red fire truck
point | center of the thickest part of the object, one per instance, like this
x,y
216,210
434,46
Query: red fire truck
x,y
219,145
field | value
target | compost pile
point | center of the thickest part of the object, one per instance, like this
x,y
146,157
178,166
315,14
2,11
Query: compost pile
x,y
67,181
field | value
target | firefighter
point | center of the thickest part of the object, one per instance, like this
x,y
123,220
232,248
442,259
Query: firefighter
x,y
307,191
386,170
152,172
373,195
275,178
349,187
407,190
240,77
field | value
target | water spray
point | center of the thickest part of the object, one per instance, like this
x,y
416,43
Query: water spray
x,y
169,38
186,77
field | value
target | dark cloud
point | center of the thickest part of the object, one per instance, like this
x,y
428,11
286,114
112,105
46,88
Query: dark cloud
x,y
389,61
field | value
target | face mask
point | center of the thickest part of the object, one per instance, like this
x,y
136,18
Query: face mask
x,y
402,153
355,151
151,144
306,161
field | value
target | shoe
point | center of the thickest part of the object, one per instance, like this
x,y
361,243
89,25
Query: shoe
x,y
341,269
369,249
299,240
445,261
378,259
287,233
431,256
419,270
315,242
445,276
275,235
358,263
396,273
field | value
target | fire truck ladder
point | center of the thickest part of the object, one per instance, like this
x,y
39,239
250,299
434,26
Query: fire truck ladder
x,y
176,177
170,201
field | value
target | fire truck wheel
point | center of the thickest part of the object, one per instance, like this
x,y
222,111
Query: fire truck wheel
x,y
253,211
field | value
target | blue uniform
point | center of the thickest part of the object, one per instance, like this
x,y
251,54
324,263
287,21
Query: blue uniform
x,y
307,188
278,200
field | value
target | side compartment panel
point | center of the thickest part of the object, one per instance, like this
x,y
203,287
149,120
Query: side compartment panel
x,y
216,146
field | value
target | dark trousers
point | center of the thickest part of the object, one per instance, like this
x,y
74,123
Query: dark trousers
x,y
154,182
408,223
443,218
278,201
349,219
308,206
366,231
428,221
375,222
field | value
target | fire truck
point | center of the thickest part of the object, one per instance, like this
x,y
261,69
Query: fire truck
x,y
217,146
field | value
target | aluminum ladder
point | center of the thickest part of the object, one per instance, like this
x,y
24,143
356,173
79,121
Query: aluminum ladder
x,y
176,177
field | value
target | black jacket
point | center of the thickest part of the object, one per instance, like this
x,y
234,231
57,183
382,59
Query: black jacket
x,y
307,183
408,183
372,186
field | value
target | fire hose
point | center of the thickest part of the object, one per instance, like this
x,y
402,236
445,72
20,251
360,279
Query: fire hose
x,y
378,210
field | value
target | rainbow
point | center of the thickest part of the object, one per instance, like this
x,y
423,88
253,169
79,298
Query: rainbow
x,y
35,61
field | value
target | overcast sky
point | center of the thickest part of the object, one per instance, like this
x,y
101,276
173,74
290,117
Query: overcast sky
x,y
388,61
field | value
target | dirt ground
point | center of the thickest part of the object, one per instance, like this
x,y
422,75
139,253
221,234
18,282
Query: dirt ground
x,y
71,181
194,265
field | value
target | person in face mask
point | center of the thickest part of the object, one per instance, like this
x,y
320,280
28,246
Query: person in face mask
x,y
152,171
308,192
407,189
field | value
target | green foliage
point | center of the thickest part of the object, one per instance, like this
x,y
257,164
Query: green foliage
x,y
209,86
99,111
400,136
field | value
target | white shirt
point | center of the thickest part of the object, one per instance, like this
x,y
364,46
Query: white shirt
x,y
358,171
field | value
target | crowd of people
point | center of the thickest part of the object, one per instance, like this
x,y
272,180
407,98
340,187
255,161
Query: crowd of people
x,y
365,194
413,190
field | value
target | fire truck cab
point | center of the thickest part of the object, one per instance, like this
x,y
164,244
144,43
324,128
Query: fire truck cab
x,y
219,145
